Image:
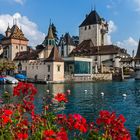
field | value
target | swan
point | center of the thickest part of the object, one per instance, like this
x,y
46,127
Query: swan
x,y
102,93
124,95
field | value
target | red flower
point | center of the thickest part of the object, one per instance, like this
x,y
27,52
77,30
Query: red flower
x,y
8,112
6,119
22,136
62,135
25,89
60,97
49,133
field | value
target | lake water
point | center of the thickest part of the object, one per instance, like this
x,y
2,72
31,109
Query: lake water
x,y
88,103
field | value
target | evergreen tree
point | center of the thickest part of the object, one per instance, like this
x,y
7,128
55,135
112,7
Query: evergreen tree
x,y
55,33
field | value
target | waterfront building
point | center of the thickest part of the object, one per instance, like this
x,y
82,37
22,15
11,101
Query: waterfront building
x,y
93,44
43,63
137,63
13,42
66,45
93,28
78,69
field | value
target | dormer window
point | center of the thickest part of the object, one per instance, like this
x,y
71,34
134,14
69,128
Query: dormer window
x,y
85,28
89,27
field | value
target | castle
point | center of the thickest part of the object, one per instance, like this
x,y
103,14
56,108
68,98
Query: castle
x,y
55,63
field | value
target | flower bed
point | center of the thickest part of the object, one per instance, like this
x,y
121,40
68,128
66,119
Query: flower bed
x,y
18,121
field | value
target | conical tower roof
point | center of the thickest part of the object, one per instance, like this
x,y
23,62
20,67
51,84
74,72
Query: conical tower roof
x,y
138,52
50,33
54,56
8,29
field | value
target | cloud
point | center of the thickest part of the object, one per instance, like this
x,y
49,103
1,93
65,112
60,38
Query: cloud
x,y
19,1
29,28
137,3
130,44
111,29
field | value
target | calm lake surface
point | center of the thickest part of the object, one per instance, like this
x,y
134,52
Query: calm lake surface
x,y
89,103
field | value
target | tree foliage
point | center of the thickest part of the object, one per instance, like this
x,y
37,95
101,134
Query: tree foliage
x,y
6,65
55,33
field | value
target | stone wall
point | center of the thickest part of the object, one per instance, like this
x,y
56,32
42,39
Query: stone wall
x,y
93,77
101,77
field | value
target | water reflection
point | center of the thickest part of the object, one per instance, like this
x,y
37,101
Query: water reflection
x,y
86,99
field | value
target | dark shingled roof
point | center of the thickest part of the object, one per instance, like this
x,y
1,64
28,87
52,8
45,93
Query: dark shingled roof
x,y
54,56
138,52
66,40
86,48
92,18
16,33
27,55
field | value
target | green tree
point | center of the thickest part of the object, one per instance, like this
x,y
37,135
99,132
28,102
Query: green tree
x,y
55,33
6,65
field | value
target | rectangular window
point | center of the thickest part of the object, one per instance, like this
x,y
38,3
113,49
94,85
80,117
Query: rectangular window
x,y
16,47
58,67
21,47
49,68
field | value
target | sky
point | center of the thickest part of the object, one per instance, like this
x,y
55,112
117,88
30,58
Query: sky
x,y
33,17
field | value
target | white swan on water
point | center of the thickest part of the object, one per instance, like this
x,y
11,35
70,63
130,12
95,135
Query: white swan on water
x,y
102,93
124,95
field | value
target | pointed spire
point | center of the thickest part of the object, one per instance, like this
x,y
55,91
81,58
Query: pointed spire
x,y
8,31
50,33
8,28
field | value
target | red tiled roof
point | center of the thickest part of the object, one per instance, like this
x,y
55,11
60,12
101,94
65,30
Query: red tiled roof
x,y
54,56
27,55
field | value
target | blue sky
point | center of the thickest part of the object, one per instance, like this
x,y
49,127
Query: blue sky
x,y
34,16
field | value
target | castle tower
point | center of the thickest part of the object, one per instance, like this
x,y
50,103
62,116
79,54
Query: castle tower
x,y
56,66
8,31
95,28
13,42
49,42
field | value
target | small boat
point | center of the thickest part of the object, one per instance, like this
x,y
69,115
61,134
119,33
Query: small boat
x,y
2,80
21,77
11,80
